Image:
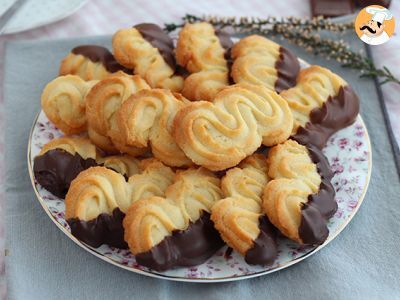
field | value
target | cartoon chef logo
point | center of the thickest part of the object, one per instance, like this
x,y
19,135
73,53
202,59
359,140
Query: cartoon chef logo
x,y
374,25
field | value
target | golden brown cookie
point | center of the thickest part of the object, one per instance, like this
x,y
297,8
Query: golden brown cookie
x,y
61,160
258,60
175,230
239,217
300,198
199,50
322,103
146,118
148,50
90,62
102,103
99,197
220,134
63,102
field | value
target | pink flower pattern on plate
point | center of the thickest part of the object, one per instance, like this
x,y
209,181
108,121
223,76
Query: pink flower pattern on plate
x,y
348,154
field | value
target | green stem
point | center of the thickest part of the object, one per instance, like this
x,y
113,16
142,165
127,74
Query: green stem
x,y
302,33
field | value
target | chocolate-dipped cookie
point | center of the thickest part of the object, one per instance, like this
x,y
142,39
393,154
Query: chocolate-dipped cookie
x,y
300,198
61,160
148,50
175,230
239,217
91,62
258,60
322,103
99,197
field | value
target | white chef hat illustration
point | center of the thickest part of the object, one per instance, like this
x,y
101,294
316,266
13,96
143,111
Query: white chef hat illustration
x,y
379,14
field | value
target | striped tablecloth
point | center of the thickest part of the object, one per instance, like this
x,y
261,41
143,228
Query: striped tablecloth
x,y
106,16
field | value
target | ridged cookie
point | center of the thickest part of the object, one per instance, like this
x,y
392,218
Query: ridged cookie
x,y
175,230
300,198
102,103
90,62
61,160
322,103
220,134
99,197
199,50
148,50
239,217
258,60
63,102
146,118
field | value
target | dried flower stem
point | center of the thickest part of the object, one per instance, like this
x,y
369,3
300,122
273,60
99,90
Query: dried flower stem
x,y
304,33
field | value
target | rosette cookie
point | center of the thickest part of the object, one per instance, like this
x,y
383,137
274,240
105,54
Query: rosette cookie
x,y
61,160
90,62
300,199
99,197
176,230
201,52
322,103
219,134
147,116
258,60
102,103
239,217
148,50
63,102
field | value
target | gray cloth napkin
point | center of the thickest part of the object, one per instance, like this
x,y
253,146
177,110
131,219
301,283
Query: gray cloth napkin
x,y
43,263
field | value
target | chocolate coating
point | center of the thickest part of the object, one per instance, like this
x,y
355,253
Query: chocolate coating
x,y
159,39
336,113
105,229
264,250
102,55
56,168
320,207
185,248
288,67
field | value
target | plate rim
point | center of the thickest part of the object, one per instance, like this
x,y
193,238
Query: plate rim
x,y
200,280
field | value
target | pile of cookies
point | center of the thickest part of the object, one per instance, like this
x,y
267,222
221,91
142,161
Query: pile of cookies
x,y
173,151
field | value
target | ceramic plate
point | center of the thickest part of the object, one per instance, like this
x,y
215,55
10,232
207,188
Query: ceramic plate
x,y
349,155
36,13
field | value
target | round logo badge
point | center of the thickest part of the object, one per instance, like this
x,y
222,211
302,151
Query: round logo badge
x,y
374,25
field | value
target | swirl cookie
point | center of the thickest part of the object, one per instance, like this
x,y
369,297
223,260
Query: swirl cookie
x,y
146,117
90,62
258,60
201,52
63,102
322,103
61,160
98,199
102,103
220,134
239,218
175,230
148,50
300,198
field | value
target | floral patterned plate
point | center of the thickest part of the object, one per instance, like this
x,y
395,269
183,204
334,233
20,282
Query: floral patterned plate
x,y
348,152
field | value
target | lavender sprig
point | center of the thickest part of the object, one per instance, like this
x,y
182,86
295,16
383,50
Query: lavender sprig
x,y
302,32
